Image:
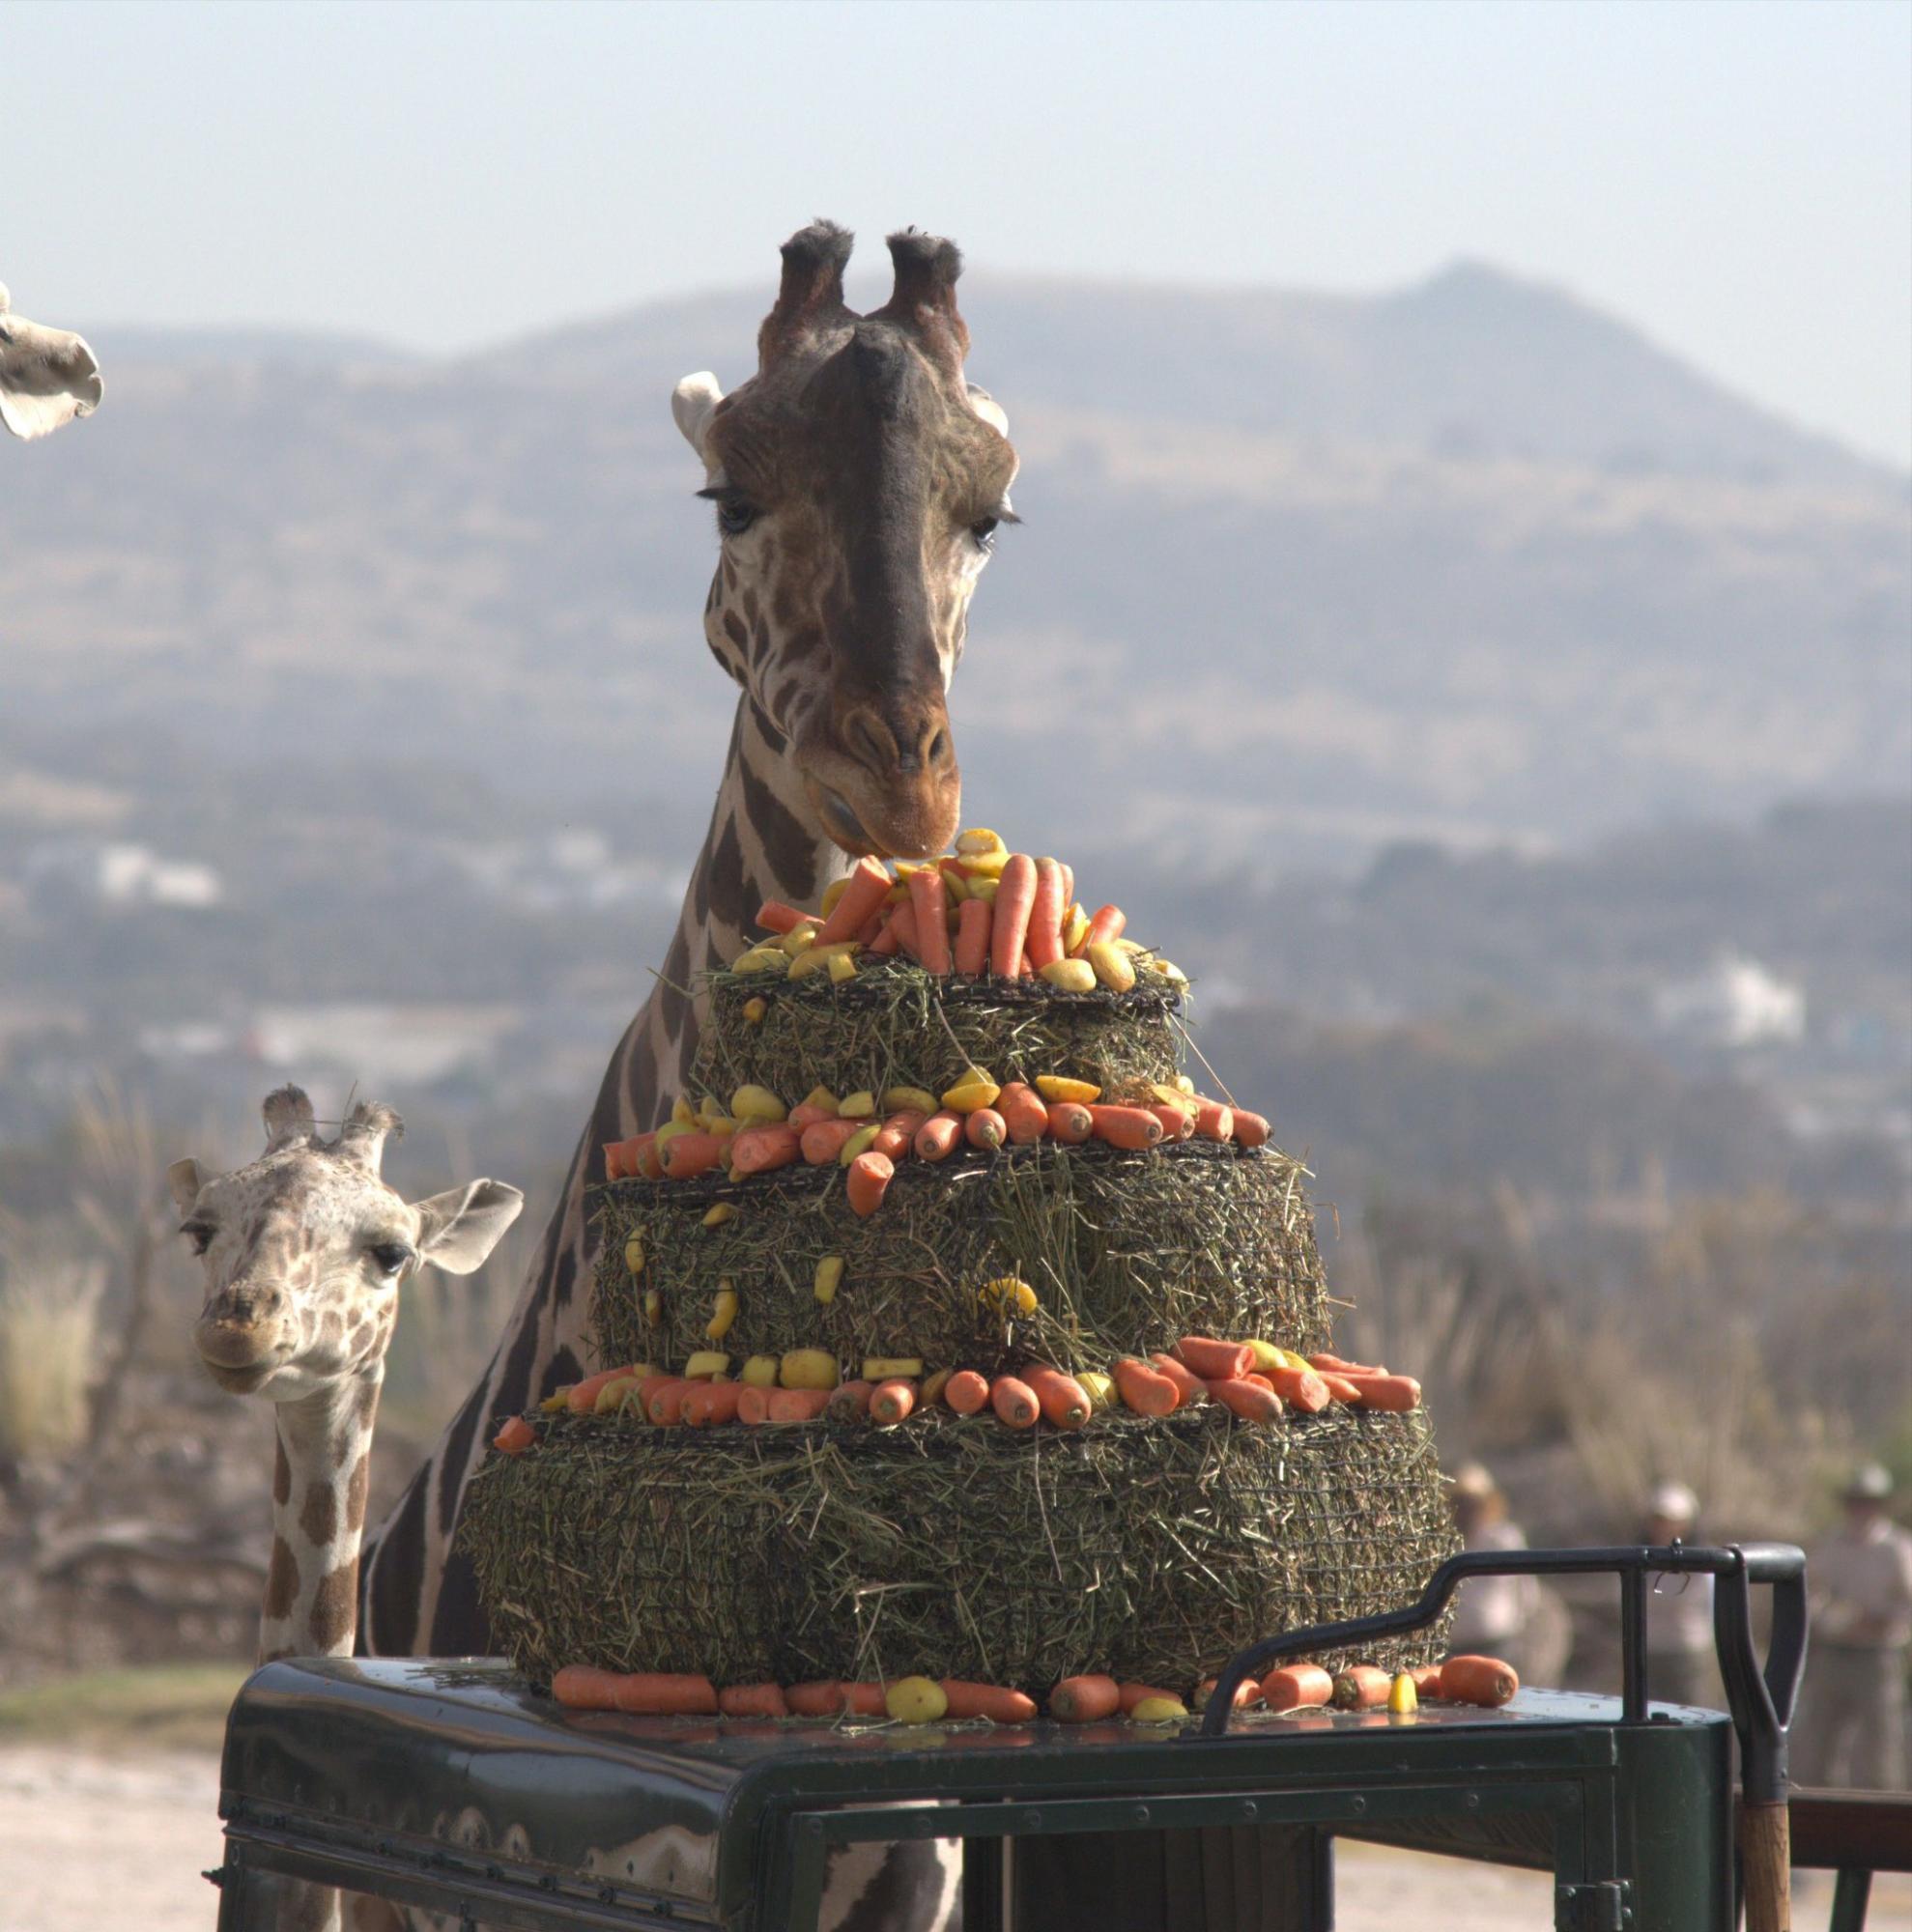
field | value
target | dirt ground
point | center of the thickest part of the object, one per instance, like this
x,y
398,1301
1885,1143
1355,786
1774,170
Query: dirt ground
x,y
60,1810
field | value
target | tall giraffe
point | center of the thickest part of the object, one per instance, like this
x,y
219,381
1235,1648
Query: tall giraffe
x,y
859,481
305,1249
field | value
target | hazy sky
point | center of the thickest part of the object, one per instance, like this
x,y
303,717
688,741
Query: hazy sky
x,y
1735,178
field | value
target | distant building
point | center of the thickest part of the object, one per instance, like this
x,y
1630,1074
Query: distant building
x,y
1736,1002
116,873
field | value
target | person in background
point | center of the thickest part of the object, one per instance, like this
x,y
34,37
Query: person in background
x,y
1680,1665
1852,1720
1491,1613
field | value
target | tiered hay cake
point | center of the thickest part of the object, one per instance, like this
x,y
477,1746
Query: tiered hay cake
x,y
1149,1547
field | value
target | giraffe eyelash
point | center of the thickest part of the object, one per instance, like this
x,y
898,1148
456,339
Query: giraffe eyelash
x,y
199,1233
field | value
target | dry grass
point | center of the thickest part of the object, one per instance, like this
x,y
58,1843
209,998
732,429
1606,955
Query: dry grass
x,y
49,1343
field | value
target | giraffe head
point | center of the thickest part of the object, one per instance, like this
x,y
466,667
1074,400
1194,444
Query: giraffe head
x,y
307,1246
859,481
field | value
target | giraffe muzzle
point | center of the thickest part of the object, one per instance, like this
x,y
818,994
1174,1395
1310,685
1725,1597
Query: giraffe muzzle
x,y
242,1333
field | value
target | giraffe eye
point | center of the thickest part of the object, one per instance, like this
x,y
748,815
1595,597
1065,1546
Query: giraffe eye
x,y
390,1256
734,518
985,532
199,1234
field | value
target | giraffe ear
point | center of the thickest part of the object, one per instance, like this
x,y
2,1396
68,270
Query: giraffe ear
x,y
184,1179
691,402
459,1228
988,409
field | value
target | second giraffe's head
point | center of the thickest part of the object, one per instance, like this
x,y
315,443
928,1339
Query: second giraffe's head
x,y
305,1248
859,482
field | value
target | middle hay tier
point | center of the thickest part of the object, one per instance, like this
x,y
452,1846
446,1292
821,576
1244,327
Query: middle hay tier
x,y
1151,1546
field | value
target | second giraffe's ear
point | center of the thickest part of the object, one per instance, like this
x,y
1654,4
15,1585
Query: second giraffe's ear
x,y
691,402
458,1229
184,1180
988,409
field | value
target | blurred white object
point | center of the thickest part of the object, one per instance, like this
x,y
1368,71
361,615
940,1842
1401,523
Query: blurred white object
x,y
47,376
1736,1002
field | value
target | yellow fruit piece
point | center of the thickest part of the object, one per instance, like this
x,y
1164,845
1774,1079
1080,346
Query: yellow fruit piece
x,y
754,1010
821,1096
722,1212
683,1112
1009,1295
763,959
1159,1710
1054,1087
807,1369
1098,1387
707,1365
634,1254
1266,1355
1132,946
933,1387
857,1106
1110,965
857,1142
555,1403
670,1132
611,1397
653,1307
722,1127
821,958
1401,1696
897,895
983,888
761,1372
891,1368
918,1099
1183,1085
1074,928
829,1277
974,1090
915,1701
832,893
1171,1097
842,967
758,1103
1169,971
723,1312
955,888
978,843
1069,976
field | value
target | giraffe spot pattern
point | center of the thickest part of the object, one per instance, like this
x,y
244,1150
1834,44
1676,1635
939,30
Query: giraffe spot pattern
x,y
332,1606
788,849
281,1580
318,1515
281,1472
357,1488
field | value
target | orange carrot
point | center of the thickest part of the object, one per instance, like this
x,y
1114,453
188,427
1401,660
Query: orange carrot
x,y
650,1385
902,922
1084,1700
752,1700
994,1701
1068,882
928,900
1014,1402
1478,1679
752,1404
1214,1361
1342,1366
711,1401
1129,1695
667,1693
650,1162
806,1114
515,1437
665,1404
966,1391
849,1402
1259,1380
797,1405
577,1687
886,941
1025,1113
891,1402
1252,1130
1215,1121
1025,967
1362,1687
1063,1399
1338,1386
938,1137
1247,1693
690,1155
985,1128
821,1699
1144,1388
1395,1393
614,1165
582,1398
894,1135
1303,1387
868,888
1107,924
865,1701
1427,1679
1178,1123
1189,1388
1009,924
871,928
823,1141
1133,1127
1044,936
870,1178
1252,1401
774,916
1071,1121
972,940
1294,1687
759,1150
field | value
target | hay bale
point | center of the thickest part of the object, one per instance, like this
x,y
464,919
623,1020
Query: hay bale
x,y
1125,1252
895,1025
956,1548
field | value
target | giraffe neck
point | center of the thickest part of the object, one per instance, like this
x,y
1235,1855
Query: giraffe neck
x,y
319,1482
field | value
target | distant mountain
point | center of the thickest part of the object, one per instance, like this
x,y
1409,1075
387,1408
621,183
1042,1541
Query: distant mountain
x,y
138,343
1300,573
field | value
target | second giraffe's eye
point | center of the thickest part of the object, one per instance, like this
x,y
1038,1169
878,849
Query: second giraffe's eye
x,y
390,1256
734,518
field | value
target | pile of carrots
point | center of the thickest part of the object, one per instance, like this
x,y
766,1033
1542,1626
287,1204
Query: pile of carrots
x,y
980,910
868,1134
1075,1700
1254,1380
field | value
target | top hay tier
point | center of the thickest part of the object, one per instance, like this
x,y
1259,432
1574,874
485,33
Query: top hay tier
x,y
895,1025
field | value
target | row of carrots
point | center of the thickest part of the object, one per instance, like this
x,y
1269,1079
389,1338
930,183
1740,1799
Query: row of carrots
x,y
868,1134
1255,1381
1086,1699
982,910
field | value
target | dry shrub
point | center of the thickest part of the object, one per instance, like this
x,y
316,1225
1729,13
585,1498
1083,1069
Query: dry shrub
x,y
49,1340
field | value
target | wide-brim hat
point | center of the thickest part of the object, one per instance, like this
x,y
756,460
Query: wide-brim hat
x,y
1869,1483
